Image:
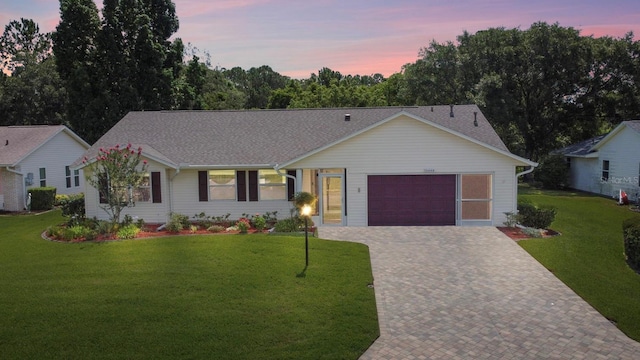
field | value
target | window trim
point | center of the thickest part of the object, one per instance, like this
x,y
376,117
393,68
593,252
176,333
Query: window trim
x,y
263,184
605,170
43,176
211,186
488,200
67,176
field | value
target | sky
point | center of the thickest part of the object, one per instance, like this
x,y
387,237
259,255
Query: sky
x,y
297,38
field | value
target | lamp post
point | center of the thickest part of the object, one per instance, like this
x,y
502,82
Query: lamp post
x,y
306,211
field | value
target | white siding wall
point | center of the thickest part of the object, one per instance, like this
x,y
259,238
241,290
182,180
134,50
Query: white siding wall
x,y
407,146
585,174
185,197
60,151
623,153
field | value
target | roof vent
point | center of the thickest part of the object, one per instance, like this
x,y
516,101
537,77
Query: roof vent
x,y
475,118
432,109
451,113
347,117
7,143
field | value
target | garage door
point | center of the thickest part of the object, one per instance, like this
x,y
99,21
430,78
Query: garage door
x,y
405,200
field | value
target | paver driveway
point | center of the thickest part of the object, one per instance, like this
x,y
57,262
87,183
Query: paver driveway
x,y
473,293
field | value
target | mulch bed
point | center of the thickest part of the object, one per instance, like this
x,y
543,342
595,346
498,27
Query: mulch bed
x,y
516,233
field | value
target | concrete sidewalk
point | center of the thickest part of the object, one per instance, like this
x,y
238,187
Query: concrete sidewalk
x,y
473,293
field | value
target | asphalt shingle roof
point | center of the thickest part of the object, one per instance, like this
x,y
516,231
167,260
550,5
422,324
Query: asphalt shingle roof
x,y
16,142
267,137
579,149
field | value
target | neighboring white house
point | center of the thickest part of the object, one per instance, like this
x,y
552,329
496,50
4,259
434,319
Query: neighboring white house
x,y
429,165
35,156
608,163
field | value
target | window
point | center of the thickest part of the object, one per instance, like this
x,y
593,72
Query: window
x,y
244,185
143,192
67,174
43,177
568,161
605,170
476,196
222,185
76,178
272,185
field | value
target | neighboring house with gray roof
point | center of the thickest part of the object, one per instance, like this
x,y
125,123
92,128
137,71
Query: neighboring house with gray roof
x,y
428,165
607,163
34,156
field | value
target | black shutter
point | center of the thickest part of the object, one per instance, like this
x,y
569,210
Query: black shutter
x,y
203,189
103,189
241,185
291,185
253,185
156,189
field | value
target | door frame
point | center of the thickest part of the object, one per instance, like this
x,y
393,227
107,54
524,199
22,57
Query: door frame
x,y
321,182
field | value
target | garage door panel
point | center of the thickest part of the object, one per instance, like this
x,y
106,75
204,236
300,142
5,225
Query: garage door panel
x,y
402,200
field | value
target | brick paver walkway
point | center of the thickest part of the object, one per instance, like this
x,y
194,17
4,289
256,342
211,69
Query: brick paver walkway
x,y
473,293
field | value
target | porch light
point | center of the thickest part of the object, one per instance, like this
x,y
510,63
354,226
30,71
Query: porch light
x,y
306,211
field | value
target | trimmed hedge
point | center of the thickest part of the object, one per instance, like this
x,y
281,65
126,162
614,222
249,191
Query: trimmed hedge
x,y
42,198
531,216
72,206
631,230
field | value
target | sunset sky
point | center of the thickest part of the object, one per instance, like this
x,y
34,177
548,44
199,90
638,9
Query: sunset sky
x,y
297,38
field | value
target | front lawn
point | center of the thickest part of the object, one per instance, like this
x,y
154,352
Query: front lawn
x,y
195,297
588,256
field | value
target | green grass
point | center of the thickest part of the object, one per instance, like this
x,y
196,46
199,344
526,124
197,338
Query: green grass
x,y
588,256
194,297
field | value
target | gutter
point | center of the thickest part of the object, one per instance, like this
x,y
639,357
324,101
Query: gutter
x,y
295,179
24,186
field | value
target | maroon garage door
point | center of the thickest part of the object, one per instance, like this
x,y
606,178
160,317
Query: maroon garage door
x,y
404,200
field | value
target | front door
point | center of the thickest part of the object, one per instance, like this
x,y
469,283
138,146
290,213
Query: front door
x,y
331,200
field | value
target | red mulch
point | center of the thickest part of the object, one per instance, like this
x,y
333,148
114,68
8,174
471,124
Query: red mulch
x,y
517,234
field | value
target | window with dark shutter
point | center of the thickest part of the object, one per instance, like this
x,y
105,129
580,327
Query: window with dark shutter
x,y
291,185
203,189
241,181
253,185
156,189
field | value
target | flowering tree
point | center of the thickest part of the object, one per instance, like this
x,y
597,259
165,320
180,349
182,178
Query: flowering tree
x,y
116,172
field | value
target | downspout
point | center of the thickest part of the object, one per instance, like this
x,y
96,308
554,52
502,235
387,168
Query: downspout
x,y
24,186
277,169
515,187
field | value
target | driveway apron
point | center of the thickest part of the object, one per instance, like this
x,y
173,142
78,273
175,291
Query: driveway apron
x,y
473,293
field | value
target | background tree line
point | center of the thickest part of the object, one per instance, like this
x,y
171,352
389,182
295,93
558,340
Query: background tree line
x,y
541,88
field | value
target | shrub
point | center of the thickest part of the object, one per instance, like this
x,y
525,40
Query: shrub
x,y
55,232
303,198
129,231
271,218
291,224
42,198
106,227
553,172
259,222
243,225
215,228
531,216
74,232
632,246
177,223
203,221
630,222
72,206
